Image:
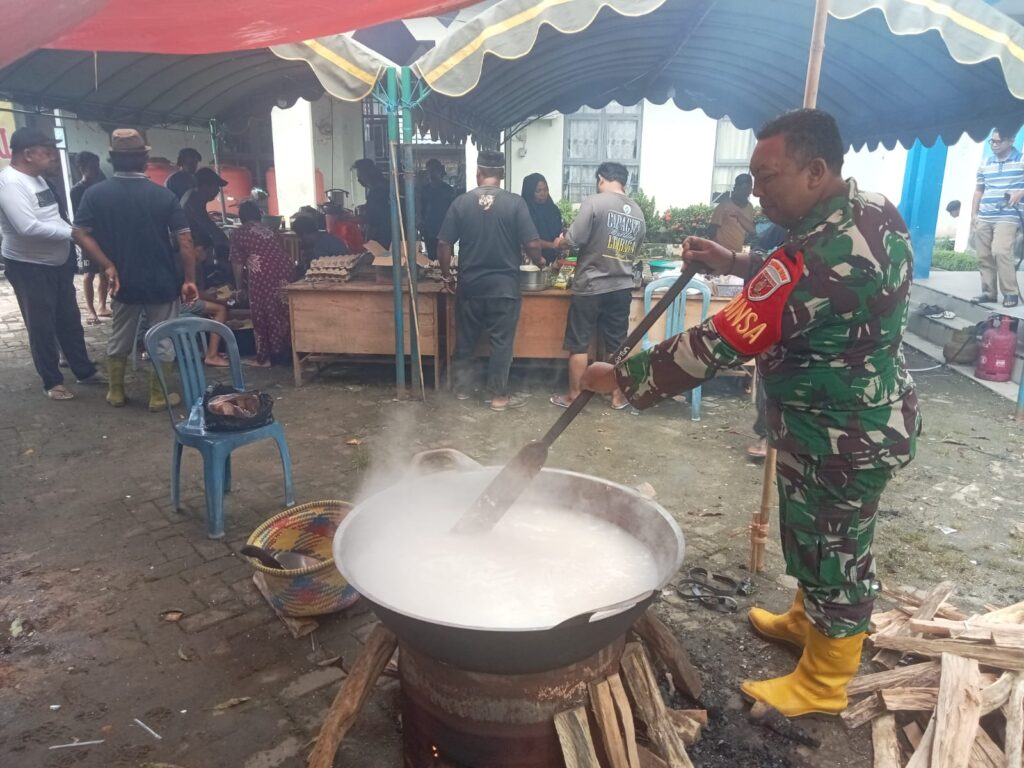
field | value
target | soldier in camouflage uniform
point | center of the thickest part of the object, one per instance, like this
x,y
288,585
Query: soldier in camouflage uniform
x,y
824,316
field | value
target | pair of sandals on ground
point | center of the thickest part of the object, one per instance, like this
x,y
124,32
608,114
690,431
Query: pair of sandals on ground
x,y
1009,299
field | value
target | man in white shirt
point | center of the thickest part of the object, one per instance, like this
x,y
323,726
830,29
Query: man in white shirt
x,y
36,253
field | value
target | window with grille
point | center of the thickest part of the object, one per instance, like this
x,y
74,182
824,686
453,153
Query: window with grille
x,y
594,136
733,149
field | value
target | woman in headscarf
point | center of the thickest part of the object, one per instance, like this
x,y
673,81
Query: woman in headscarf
x,y
545,214
257,252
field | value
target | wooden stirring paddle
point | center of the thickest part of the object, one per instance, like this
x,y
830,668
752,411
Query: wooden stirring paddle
x,y
504,489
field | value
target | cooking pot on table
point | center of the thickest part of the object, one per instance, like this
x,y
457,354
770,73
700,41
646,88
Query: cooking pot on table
x,y
515,651
532,278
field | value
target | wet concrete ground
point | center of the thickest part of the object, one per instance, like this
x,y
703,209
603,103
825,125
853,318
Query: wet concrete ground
x,y
91,554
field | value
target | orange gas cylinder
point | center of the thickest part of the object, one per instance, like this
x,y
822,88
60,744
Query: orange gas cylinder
x,y
158,169
347,230
998,346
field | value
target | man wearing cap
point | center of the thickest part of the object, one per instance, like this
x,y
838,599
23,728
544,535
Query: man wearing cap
x,y
184,179
126,224
37,261
211,243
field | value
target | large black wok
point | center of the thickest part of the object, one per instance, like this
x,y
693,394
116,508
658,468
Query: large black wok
x,y
516,651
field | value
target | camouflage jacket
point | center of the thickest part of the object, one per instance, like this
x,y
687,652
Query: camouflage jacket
x,y
825,317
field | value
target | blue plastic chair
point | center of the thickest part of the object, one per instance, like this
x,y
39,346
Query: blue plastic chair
x,y
675,319
215,447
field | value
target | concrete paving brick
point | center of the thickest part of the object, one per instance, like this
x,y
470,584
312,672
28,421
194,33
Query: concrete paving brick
x,y
208,618
211,550
174,547
311,681
364,631
212,591
253,618
209,567
169,568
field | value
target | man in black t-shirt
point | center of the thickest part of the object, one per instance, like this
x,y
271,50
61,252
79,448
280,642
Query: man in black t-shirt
x,y
493,228
437,196
128,222
184,179
376,213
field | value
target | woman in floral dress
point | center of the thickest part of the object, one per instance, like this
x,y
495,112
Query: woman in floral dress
x,y
268,268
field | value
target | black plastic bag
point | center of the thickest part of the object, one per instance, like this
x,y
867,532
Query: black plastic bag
x,y
226,409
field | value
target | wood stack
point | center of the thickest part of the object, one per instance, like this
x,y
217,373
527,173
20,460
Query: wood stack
x,y
951,690
618,705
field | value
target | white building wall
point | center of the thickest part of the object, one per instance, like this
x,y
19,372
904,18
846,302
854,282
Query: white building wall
x,y
536,149
879,171
677,155
166,142
958,184
293,156
337,143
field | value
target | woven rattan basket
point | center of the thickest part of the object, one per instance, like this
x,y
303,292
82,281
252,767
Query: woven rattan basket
x,y
307,530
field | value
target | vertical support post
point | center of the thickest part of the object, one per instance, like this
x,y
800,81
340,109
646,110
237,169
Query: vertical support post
x,y
919,204
816,54
396,241
759,524
409,171
216,167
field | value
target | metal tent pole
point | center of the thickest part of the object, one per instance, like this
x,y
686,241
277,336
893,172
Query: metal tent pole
x,y
409,170
396,240
216,167
759,528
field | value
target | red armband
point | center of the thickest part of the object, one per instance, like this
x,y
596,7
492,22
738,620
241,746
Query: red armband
x,y
752,322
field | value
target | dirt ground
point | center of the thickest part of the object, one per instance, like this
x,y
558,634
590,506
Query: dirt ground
x,y
91,554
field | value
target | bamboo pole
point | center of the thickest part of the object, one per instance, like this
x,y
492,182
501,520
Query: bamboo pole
x,y
816,54
417,363
759,526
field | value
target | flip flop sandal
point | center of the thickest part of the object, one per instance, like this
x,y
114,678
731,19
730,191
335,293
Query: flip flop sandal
x,y
92,321
620,407
708,598
720,603
559,401
711,583
60,392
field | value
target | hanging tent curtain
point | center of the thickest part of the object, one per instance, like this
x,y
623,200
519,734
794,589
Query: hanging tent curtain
x,y
191,26
894,70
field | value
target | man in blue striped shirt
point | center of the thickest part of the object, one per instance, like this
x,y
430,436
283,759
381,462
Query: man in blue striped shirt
x,y
995,222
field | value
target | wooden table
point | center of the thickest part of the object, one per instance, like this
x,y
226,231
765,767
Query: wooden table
x,y
542,319
358,318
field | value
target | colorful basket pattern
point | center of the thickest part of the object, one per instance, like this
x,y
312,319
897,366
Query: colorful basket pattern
x,y
307,530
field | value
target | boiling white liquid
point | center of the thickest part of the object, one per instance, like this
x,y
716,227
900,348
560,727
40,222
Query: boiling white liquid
x,y
538,567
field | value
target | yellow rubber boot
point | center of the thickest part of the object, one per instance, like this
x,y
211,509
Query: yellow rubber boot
x,y
789,627
818,684
157,401
115,380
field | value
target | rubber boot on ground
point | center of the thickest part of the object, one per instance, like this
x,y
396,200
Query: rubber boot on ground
x,y
818,684
157,401
789,627
115,380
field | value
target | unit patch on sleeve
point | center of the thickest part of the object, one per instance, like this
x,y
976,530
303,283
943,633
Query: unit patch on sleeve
x,y
752,322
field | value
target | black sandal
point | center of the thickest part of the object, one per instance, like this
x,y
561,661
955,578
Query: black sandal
x,y
1011,301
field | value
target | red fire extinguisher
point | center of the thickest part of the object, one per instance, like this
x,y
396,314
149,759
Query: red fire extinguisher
x,y
998,346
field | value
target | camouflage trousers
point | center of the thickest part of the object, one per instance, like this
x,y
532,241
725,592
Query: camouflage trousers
x,y
827,521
